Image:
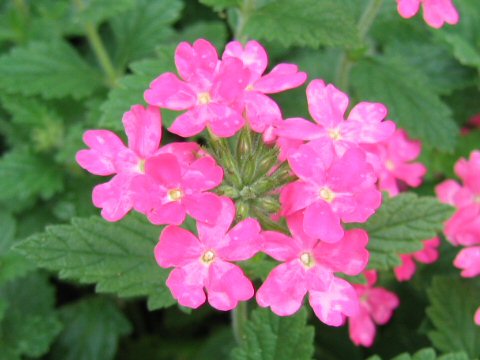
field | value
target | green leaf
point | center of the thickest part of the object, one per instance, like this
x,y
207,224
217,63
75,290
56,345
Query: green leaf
x,y
131,88
453,302
52,70
215,31
304,23
139,31
92,328
272,337
425,354
24,175
400,225
219,5
30,323
118,257
411,101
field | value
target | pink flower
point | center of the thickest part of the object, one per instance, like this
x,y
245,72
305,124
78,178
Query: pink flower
x,y
477,316
171,190
435,12
328,105
261,111
205,262
427,255
392,160
376,308
208,92
309,266
331,189
109,156
468,259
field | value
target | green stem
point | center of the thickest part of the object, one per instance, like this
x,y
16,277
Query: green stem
x,y
244,14
239,319
101,53
363,26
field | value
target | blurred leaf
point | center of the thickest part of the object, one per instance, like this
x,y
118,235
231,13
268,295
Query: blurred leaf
x,y
131,88
425,354
51,70
400,225
215,31
453,304
221,4
272,337
118,257
92,328
30,323
305,23
139,31
411,101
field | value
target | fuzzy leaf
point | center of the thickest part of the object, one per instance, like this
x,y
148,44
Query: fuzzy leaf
x,y
453,302
272,337
305,23
52,70
400,225
411,102
221,4
92,328
118,257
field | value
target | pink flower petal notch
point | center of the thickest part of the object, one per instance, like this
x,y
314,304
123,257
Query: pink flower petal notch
x,y
428,255
435,12
203,267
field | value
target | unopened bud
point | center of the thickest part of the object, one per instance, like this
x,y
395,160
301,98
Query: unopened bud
x,y
270,204
243,210
227,190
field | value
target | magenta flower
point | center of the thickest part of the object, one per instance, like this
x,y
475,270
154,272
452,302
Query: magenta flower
x,y
376,308
327,105
309,266
468,260
429,254
208,91
205,262
260,110
171,190
331,189
392,160
435,12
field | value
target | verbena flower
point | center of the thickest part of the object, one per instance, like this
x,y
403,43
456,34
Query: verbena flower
x,y
429,254
435,12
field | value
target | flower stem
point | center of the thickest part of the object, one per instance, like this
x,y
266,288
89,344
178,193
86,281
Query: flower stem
x,y
239,319
243,14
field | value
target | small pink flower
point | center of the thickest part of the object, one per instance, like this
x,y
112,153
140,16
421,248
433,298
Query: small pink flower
x,y
206,262
468,259
393,159
209,89
435,12
170,190
261,111
376,308
477,316
328,105
309,266
427,255
331,189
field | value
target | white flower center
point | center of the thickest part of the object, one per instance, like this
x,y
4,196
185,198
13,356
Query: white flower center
x,y
327,194
208,257
175,194
334,134
390,165
307,260
141,166
204,98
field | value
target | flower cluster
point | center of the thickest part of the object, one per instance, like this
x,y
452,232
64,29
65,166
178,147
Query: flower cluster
x,y
264,186
463,228
435,12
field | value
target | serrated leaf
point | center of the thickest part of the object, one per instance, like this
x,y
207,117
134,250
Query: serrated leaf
x,y
30,324
304,23
92,328
425,354
400,225
118,257
453,302
219,5
52,70
131,88
25,175
139,31
272,337
411,102
214,31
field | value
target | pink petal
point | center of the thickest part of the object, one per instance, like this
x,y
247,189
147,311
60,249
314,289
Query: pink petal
x,y
115,197
104,147
412,174
367,202
368,125
280,246
186,152
211,234
408,8
311,161
224,121
254,56
463,228
295,225
177,247
371,276
172,213
349,255
321,223
298,128
333,305
198,60
468,259
326,104
437,12
405,271
204,207
261,111
361,328
230,81
168,91
284,289
297,196
402,148
227,285
477,316
144,129
202,174
186,284
469,170
165,169
190,123
242,242
319,278
429,253
382,303
281,78
351,172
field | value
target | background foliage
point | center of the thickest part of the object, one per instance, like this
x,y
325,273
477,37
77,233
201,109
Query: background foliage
x,y
73,286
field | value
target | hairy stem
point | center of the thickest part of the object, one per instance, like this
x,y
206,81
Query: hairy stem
x,y
243,14
239,318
